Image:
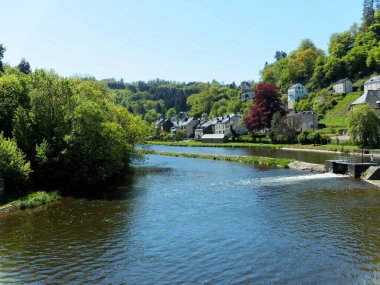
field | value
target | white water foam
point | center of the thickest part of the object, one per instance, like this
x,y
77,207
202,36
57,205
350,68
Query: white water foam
x,y
283,180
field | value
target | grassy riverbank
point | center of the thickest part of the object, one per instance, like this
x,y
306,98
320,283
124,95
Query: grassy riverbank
x,y
328,147
32,200
257,160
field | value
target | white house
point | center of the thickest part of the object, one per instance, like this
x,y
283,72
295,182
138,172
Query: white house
x,y
295,92
222,126
343,86
372,84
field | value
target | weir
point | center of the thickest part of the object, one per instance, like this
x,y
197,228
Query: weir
x,y
353,169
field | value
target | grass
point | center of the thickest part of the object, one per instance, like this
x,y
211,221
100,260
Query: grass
x,y
257,160
337,116
39,198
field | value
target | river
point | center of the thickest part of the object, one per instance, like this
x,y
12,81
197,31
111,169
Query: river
x,y
307,156
196,221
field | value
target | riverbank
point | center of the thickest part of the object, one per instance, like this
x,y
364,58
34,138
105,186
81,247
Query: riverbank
x,y
329,148
29,201
257,160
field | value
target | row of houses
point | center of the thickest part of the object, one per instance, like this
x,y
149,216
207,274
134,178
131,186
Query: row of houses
x,y
197,128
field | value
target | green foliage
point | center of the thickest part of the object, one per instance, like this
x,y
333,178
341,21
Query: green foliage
x,y
283,129
39,198
24,66
364,126
2,51
336,116
314,138
303,138
180,135
14,168
70,129
353,54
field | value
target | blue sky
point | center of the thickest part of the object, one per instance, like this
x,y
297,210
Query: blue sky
x,y
192,40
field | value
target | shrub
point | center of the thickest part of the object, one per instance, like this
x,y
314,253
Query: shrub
x,y
314,138
303,137
39,198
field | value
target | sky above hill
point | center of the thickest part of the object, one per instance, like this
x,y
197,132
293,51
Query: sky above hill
x,y
181,40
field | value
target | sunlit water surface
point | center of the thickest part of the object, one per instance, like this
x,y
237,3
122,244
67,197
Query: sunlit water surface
x,y
194,221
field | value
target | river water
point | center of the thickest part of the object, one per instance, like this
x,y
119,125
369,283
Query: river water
x,y
194,221
313,157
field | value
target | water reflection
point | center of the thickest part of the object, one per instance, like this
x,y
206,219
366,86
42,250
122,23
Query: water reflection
x,y
181,220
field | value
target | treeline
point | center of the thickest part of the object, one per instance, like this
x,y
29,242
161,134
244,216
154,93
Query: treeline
x,y
59,131
353,54
154,99
159,98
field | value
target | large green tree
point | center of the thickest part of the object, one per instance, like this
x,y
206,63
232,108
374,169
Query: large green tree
x,y
364,126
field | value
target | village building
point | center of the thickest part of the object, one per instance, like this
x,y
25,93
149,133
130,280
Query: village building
x,y
371,97
204,127
214,138
343,86
304,121
247,93
372,84
225,122
163,125
186,124
295,92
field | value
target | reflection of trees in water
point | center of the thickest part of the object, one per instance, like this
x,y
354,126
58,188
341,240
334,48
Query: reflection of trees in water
x,y
63,240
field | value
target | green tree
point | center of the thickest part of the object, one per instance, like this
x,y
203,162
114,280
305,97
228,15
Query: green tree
x,y
13,93
363,126
24,66
14,169
170,113
340,44
2,51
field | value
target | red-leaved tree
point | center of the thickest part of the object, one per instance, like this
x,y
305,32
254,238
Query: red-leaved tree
x,y
267,102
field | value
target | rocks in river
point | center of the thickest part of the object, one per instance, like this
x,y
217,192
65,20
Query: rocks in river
x,y
313,167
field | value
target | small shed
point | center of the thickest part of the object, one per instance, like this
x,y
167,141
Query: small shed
x,y
214,138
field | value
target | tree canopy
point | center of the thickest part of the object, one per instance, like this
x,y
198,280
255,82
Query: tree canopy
x,y
267,102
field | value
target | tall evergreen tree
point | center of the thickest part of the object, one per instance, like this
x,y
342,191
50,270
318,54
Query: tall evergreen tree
x,y
2,51
24,66
368,12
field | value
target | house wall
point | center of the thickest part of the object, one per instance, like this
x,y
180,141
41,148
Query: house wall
x,y
374,85
343,87
190,128
295,93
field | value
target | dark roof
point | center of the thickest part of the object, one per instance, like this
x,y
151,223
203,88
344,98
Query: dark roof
x,y
370,97
341,81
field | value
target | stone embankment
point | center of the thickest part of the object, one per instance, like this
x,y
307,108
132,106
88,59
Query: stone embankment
x,y
306,166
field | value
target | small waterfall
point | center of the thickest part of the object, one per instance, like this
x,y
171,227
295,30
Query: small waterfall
x,y
283,180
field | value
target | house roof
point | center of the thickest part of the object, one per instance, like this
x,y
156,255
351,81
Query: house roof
x,y
367,96
213,136
372,79
295,85
341,81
